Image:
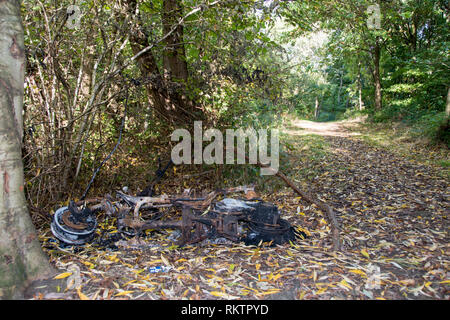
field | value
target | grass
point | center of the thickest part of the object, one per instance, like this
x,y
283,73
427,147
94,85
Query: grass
x,y
444,163
303,155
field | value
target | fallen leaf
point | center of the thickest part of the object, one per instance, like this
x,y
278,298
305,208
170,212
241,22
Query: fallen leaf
x,y
63,275
365,253
123,293
82,295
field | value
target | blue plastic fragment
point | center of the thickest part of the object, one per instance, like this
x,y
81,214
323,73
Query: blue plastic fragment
x,y
158,269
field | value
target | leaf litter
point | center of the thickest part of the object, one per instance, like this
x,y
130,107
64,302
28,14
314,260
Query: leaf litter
x,y
393,215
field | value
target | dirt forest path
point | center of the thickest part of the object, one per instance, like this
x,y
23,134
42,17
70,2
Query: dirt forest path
x,y
332,129
393,215
393,212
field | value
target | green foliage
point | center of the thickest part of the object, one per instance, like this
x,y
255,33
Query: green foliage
x,y
414,64
434,126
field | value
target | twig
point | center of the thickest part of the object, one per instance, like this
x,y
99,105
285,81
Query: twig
x,y
198,174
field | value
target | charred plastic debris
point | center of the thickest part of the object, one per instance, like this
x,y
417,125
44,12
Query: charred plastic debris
x,y
248,219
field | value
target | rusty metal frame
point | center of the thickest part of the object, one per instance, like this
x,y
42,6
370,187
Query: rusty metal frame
x,y
195,225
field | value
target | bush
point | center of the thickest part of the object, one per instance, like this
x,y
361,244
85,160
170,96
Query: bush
x,y
435,126
351,114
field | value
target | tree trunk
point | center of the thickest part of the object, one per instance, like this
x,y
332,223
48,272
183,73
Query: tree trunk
x,y
170,105
317,109
360,101
174,52
377,76
341,76
21,257
175,64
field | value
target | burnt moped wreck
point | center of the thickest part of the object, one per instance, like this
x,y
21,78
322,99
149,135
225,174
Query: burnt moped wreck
x,y
245,219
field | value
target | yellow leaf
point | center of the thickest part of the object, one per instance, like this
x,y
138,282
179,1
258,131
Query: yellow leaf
x,y
223,295
131,281
82,295
321,290
254,290
306,231
276,277
360,272
113,258
365,253
138,271
302,295
217,294
63,275
123,293
345,284
90,265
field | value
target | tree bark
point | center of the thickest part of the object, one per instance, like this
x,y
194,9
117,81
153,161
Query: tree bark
x,y
148,68
174,52
377,76
170,105
21,257
317,109
341,76
360,100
